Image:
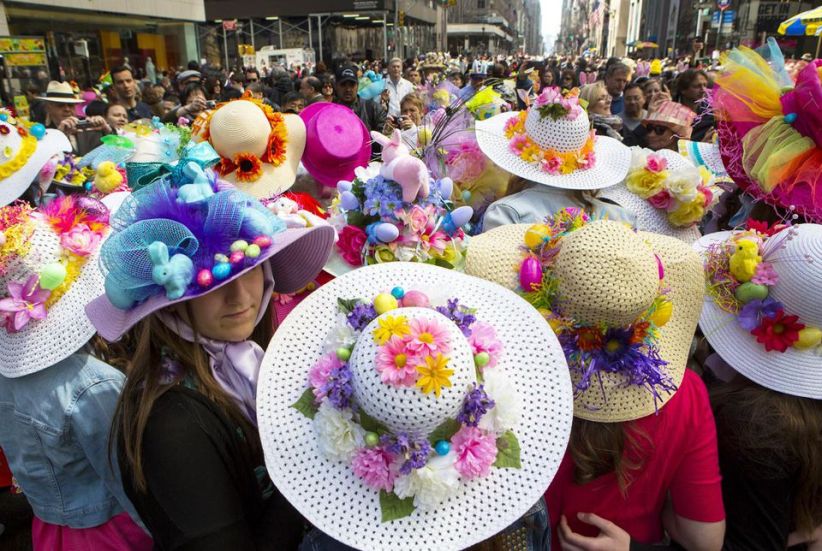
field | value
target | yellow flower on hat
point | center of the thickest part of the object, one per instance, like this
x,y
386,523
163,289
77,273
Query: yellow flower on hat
x,y
688,213
662,313
434,375
645,183
390,326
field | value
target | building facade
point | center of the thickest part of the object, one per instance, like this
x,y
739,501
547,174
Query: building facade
x,y
494,27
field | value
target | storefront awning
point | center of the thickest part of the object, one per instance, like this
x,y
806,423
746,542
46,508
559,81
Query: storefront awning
x,y
463,29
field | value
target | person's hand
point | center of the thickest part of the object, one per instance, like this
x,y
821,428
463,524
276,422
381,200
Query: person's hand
x,y
389,127
98,123
405,123
68,126
611,537
197,105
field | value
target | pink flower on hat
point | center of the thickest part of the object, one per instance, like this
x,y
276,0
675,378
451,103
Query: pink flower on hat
x,y
319,374
661,200
81,240
552,165
708,194
351,242
26,302
483,338
396,364
376,467
428,338
656,163
476,451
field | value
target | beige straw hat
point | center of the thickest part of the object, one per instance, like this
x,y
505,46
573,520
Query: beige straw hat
x,y
608,274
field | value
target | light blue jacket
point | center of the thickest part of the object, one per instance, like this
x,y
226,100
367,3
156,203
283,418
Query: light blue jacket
x,y
54,430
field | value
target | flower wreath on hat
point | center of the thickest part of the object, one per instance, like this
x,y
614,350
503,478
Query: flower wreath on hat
x,y
412,352
246,165
740,278
550,103
80,223
593,349
11,161
684,194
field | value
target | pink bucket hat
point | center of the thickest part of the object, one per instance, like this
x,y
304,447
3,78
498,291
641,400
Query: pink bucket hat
x,y
675,116
337,142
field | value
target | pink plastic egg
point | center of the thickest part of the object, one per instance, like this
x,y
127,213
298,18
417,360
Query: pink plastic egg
x,y
262,241
204,278
236,257
530,274
416,299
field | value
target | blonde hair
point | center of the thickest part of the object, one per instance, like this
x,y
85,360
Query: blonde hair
x,y
591,92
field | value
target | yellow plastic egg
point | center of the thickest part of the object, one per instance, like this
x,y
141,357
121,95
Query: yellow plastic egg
x,y
809,337
662,314
536,234
384,302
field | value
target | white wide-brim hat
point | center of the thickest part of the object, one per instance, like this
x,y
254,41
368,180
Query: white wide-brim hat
x,y
66,328
612,159
649,218
53,143
330,495
704,154
795,372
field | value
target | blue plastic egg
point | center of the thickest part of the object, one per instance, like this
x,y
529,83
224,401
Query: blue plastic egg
x,y
344,185
38,130
790,118
398,292
446,187
386,233
349,201
221,271
442,447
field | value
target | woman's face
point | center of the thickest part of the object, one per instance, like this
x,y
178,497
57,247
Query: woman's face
x,y
659,137
456,80
602,105
567,81
228,313
117,116
194,95
652,90
328,89
411,111
696,90
548,78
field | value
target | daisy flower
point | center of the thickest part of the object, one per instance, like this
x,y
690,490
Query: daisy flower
x,y
390,326
434,375
427,338
394,364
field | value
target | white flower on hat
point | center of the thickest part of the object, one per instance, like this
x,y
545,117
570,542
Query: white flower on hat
x,y
341,336
682,183
337,435
430,485
367,173
506,411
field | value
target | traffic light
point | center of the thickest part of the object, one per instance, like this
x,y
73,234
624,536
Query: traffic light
x,y
401,19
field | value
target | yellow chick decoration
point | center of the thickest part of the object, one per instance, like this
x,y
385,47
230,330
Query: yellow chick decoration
x,y
744,261
108,178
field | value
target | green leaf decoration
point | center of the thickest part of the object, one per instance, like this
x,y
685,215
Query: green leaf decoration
x,y
394,508
306,404
444,431
545,296
443,264
554,110
346,306
507,452
369,424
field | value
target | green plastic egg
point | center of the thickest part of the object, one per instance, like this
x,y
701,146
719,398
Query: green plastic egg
x,y
747,292
52,275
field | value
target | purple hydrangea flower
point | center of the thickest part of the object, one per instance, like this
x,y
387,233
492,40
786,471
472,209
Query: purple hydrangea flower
x,y
382,198
476,404
460,315
361,315
750,317
414,450
339,389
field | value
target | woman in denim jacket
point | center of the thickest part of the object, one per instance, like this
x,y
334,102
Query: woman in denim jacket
x,y
57,400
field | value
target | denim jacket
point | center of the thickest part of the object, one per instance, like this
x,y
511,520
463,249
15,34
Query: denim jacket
x,y
55,433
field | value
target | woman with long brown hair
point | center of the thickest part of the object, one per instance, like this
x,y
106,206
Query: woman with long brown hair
x,y
192,267
769,413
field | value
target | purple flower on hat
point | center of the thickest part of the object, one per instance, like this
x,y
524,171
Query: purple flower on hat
x,y
476,404
460,315
339,389
750,317
414,450
361,315
26,302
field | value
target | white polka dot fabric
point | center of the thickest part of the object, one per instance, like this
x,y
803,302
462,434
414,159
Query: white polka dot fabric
x,y
328,493
562,134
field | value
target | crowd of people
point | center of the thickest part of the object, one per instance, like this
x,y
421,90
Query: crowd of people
x,y
438,303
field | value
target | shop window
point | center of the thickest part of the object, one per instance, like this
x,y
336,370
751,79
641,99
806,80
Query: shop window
x,y
481,4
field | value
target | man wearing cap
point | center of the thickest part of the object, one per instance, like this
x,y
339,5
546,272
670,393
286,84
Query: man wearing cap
x,y
370,113
126,87
187,77
397,86
84,134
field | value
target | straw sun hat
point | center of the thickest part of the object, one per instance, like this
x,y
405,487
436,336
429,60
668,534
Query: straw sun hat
x,y
48,272
406,468
260,149
741,319
605,277
551,143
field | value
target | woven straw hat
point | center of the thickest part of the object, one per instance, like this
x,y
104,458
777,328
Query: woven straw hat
x,y
330,495
649,218
610,167
796,261
704,154
65,329
608,273
244,127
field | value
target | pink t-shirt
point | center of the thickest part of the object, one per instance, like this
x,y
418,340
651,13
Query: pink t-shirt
x,y
678,454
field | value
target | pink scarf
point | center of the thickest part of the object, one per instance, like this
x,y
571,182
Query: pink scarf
x,y
235,365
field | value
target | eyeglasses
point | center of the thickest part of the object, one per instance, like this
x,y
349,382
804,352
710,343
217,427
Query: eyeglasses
x,y
253,80
657,129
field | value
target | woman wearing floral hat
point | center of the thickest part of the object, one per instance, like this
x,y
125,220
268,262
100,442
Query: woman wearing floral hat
x,y
642,457
192,269
763,316
57,399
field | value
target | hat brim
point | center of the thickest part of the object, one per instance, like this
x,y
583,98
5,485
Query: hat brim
x,y
60,100
612,159
327,492
703,154
494,256
53,143
795,372
326,173
296,256
649,218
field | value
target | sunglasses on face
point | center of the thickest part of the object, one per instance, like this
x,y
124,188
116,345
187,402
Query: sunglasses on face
x,y
657,129
253,80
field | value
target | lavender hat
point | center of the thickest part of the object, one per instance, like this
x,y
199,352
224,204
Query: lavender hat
x,y
336,143
185,236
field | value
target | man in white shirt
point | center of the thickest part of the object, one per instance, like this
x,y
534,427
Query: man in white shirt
x,y
397,87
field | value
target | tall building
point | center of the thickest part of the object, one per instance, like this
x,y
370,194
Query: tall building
x,y
494,27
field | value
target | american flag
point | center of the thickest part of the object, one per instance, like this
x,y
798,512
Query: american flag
x,y
597,7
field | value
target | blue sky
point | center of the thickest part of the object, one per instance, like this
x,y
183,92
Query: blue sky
x,y
551,15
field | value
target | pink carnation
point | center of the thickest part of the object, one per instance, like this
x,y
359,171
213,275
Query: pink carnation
x,y
552,165
395,365
417,219
476,451
518,143
428,338
661,200
376,467
319,374
656,163
708,194
351,242
484,339
81,240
